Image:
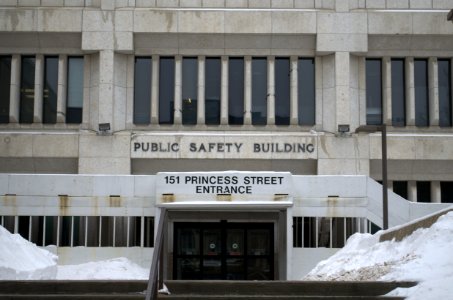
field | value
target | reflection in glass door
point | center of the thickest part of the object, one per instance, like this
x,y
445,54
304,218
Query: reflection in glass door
x,y
215,251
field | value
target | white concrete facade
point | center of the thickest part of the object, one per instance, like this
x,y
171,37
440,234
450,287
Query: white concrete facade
x,y
339,36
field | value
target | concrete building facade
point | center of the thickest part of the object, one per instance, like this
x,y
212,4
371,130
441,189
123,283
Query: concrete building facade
x,y
137,87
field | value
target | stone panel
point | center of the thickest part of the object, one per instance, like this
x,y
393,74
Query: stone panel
x,y
392,4
17,20
110,146
236,3
124,20
52,2
95,20
97,40
13,145
333,23
288,22
420,4
59,20
155,21
107,165
56,146
343,42
200,22
390,23
239,22
304,3
432,23
375,3
343,167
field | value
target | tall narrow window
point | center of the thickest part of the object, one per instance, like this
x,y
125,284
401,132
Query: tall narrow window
x,y
400,188
444,75
75,90
5,81
166,90
189,90
213,76
142,90
421,92
306,91
259,91
398,93
446,191
236,91
50,90
373,92
27,89
282,87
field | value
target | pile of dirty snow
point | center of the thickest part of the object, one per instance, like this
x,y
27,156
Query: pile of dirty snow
x,y
22,260
424,256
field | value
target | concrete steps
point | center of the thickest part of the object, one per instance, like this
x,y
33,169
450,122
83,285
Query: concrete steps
x,y
205,290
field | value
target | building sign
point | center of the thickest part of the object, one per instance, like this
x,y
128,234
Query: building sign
x,y
223,186
231,146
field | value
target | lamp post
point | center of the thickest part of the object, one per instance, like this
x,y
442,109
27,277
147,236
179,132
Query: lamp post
x,y
383,129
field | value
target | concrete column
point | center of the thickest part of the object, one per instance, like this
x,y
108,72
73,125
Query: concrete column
x,y
342,72
412,191
362,90
270,90
130,70
106,94
435,192
319,93
62,85
178,90
248,90
224,91
433,85
86,91
387,90
201,91
294,117
155,90
39,80
14,96
410,91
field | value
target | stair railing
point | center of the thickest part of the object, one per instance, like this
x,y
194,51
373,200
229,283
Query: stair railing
x,y
156,279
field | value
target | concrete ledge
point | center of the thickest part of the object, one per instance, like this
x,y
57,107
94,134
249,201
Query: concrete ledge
x,y
401,232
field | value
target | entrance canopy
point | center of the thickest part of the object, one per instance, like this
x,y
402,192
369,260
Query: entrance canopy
x,y
230,188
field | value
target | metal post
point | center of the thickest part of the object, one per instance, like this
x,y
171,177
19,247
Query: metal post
x,y
385,211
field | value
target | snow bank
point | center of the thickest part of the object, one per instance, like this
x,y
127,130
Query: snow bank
x,y
118,268
424,256
22,260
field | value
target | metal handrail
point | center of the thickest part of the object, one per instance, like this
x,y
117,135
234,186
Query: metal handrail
x,y
157,264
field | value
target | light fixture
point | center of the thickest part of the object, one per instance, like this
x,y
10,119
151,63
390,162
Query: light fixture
x,y
343,128
104,127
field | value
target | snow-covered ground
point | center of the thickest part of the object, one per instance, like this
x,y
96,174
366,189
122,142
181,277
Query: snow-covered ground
x,y
425,256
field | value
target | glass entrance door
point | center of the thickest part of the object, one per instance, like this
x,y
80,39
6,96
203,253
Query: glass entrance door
x,y
216,251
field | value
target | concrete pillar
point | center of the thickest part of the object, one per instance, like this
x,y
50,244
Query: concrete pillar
x,y
248,90
14,96
412,191
294,118
387,90
224,91
435,192
106,90
343,101
86,91
201,91
410,91
178,90
155,90
62,85
433,85
39,80
271,90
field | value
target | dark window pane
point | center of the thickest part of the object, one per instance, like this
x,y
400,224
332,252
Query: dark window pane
x,y
37,230
423,191
121,231
400,188
259,91
444,73
65,231
338,234
324,232
79,231
75,90
51,224
149,232
213,76
398,93
309,232
142,90
166,90
189,90
236,91
421,92
8,222
27,89
373,92
24,226
107,231
297,232
446,191
93,231
49,96
5,81
134,231
306,91
282,88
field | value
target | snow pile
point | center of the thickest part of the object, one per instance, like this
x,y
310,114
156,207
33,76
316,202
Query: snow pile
x,y
424,256
118,269
22,260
